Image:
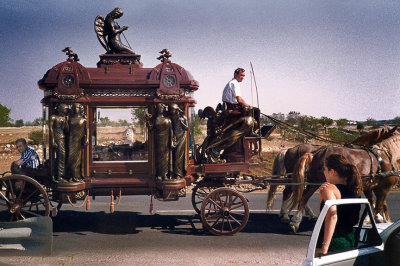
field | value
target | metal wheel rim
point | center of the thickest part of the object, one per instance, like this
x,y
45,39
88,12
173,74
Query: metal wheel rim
x,y
224,211
22,197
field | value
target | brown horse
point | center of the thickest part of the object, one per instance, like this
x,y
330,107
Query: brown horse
x,y
285,162
368,163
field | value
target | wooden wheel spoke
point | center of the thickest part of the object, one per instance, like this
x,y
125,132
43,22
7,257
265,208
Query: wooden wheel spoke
x,y
214,216
216,221
220,200
223,223
230,225
211,209
22,216
30,195
22,190
233,218
237,206
11,189
4,197
31,212
213,202
233,201
237,213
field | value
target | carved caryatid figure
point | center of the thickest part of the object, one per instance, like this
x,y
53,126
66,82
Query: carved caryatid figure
x,y
59,129
108,33
179,126
76,141
162,134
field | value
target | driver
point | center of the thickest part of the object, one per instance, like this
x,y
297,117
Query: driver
x,y
232,95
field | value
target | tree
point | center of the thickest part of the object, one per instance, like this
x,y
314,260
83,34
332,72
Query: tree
x,y
370,122
4,116
123,122
278,116
360,126
105,121
139,116
396,120
325,122
292,117
341,123
19,123
37,122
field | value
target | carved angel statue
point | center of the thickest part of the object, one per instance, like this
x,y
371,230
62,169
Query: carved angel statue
x,y
108,33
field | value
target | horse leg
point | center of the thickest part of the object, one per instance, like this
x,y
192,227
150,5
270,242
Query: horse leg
x,y
381,204
368,194
285,205
296,220
310,212
278,169
271,197
386,213
380,200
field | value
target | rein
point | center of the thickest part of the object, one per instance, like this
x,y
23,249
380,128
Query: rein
x,y
301,131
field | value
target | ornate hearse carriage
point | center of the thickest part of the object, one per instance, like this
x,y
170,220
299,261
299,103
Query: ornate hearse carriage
x,y
87,155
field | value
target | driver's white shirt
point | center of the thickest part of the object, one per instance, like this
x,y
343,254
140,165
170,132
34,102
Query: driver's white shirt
x,y
231,91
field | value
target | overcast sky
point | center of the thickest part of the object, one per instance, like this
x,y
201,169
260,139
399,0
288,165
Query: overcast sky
x,y
339,59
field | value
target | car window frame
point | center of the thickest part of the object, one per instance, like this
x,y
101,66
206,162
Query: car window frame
x,y
311,259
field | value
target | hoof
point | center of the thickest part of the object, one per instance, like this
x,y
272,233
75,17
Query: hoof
x,y
294,228
379,218
285,219
367,220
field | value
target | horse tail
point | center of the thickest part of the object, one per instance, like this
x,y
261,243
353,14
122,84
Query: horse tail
x,y
298,176
278,168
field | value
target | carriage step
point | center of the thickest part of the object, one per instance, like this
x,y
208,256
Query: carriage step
x,y
32,236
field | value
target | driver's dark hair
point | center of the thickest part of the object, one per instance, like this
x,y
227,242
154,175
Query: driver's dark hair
x,y
346,170
238,70
21,140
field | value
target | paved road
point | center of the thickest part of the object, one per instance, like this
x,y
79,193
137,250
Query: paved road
x,y
172,236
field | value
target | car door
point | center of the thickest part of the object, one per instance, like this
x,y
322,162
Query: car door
x,y
368,249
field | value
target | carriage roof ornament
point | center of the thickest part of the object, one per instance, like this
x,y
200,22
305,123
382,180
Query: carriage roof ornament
x,y
71,55
108,33
165,55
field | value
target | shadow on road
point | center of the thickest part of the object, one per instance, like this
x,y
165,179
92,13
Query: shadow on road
x,y
129,222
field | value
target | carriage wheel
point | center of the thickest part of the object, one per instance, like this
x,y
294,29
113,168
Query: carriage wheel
x,y
198,195
22,197
224,211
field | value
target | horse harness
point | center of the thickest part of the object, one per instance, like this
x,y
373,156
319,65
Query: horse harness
x,y
374,152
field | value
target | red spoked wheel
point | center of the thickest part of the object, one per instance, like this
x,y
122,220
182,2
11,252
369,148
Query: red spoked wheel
x,y
224,211
22,197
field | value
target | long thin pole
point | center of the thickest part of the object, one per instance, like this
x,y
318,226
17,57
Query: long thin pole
x,y
258,103
251,86
255,83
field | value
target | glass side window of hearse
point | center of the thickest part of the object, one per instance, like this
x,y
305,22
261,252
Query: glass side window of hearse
x,y
120,134
352,232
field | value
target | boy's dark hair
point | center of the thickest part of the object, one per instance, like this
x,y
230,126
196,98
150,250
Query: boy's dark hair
x,y
21,140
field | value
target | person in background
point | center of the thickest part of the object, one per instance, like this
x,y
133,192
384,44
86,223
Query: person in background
x,y
343,181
